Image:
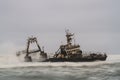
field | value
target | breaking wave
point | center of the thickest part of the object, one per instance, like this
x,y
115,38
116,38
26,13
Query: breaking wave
x,y
11,61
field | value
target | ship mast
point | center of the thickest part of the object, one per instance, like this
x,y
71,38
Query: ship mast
x,y
69,37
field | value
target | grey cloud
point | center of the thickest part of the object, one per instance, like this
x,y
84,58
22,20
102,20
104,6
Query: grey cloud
x,y
95,22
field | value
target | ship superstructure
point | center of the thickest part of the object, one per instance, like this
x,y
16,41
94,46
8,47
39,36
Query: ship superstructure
x,y
72,53
69,50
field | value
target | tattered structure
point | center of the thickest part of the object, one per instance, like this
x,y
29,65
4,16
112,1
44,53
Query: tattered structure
x,y
69,52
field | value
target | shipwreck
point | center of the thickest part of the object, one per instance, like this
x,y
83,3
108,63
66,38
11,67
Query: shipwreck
x,y
68,52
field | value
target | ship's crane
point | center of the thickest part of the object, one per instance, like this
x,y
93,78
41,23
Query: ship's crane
x,y
28,52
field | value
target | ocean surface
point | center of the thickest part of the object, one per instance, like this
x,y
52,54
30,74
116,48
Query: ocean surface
x,y
11,68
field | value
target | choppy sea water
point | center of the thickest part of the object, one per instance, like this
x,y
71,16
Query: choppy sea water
x,y
13,69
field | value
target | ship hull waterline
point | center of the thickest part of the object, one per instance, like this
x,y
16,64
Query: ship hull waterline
x,y
69,60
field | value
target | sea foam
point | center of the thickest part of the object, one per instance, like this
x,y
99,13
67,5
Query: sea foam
x,y
12,61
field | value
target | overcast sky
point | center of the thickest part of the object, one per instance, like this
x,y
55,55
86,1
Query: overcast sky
x,y
96,24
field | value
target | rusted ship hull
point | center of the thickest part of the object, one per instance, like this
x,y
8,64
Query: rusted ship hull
x,y
33,58
75,59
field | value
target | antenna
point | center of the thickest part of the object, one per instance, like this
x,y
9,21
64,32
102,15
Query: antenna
x,y
43,48
67,31
74,40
